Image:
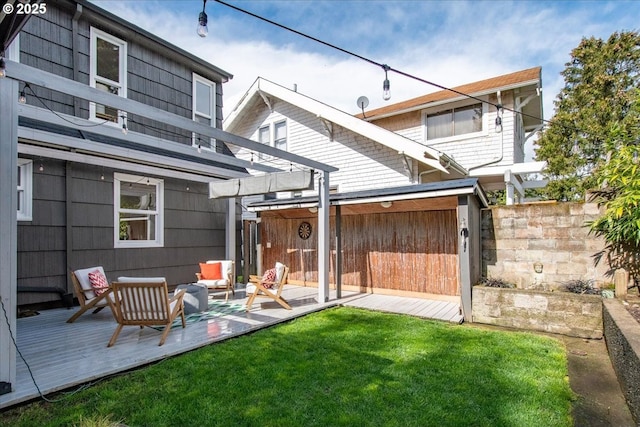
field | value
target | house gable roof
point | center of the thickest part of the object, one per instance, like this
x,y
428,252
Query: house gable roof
x,y
528,77
262,87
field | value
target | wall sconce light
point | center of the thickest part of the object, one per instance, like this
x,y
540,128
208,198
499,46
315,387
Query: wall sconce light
x,y
124,124
313,209
386,85
203,30
499,118
3,67
386,204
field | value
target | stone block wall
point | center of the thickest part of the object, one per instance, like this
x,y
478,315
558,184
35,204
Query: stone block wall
x,y
553,312
623,342
515,238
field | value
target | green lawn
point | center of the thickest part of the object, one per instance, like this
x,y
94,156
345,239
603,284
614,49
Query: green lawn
x,y
338,367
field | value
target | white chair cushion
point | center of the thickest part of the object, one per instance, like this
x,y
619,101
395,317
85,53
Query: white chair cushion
x,y
250,288
226,266
279,271
217,283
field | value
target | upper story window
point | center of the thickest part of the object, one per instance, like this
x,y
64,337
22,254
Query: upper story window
x,y
455,122
274,135
138,211
25,189
108,72
204,110
280,135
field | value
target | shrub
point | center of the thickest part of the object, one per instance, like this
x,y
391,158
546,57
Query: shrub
x,y
581,286
495,283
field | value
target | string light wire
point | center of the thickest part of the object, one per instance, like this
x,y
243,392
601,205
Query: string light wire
x,y
372,62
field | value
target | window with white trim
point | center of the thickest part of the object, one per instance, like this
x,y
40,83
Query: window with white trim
x,y
204,110
138,211
273,135
108,72
455,122
280,135
25,190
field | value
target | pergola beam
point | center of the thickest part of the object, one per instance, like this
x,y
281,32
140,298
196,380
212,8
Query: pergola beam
x,y
18,71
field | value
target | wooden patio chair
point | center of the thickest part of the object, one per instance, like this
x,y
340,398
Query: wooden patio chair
x,y
226,280
260,287
145,303
86,294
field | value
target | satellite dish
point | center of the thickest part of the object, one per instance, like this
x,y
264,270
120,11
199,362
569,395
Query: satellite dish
x,y
363,102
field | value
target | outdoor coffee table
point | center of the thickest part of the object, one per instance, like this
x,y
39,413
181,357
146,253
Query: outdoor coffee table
x,y
195,298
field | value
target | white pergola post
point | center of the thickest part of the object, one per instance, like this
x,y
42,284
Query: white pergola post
x,y
230,230
8,227
323,238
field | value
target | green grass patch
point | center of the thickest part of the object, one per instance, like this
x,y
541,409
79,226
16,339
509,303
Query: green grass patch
x,y
338,367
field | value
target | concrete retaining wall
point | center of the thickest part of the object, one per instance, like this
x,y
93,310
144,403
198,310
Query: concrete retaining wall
x,y
516,237
554,312
622,334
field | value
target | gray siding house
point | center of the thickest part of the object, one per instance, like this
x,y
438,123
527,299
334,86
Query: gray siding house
x,y
124,201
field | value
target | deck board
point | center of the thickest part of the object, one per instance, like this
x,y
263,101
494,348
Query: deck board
x,y
62,355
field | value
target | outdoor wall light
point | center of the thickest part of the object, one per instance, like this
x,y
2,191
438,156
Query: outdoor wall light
x,y
386,204
203,30
498,118
386,92
124,124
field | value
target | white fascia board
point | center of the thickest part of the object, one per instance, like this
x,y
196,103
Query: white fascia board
x,y
419,152
516,168
229,122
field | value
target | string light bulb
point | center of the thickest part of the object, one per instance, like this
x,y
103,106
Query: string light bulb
x,y
41,167
386,85
22,99
251,159
3,67
203,30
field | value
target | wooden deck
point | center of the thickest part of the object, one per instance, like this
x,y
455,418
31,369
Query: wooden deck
x,y
62,355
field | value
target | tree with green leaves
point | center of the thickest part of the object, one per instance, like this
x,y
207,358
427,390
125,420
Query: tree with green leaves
x,y
599,83
618,180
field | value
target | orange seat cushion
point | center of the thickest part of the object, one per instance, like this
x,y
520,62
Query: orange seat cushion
x,y
211,271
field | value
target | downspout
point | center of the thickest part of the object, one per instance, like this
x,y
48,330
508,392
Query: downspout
x,y
68,169
76,53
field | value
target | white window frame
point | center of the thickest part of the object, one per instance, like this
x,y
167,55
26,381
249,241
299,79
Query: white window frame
x,y
286,137
25,190
95,34
271,142
118,179
212,117
451,107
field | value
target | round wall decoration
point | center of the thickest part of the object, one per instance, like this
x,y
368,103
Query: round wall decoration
x,y
304,230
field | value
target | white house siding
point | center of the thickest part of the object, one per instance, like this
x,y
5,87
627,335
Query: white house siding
x,y
490,147
363,163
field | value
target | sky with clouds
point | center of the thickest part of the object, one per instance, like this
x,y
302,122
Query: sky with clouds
x,y
448,42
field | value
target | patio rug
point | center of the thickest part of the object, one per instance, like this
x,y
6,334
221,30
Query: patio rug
x,y
216,309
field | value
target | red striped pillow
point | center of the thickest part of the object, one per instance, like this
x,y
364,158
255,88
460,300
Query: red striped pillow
x,y
98,282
